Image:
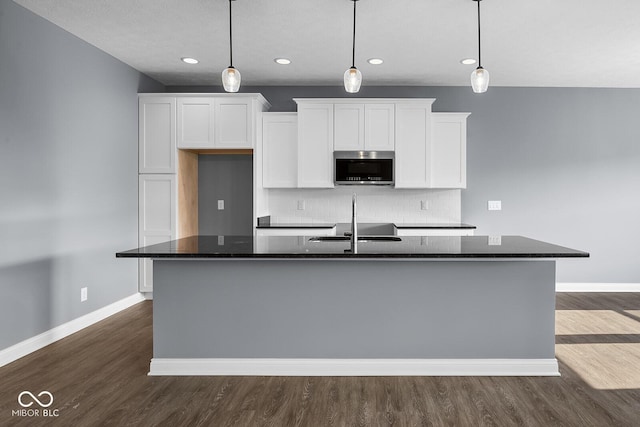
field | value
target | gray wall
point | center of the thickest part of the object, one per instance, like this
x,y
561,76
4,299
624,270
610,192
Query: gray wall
x,y
68,168
564,161
228,178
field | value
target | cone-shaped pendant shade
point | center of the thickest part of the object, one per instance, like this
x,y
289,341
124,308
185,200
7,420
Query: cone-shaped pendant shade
x,y
479,80
352,80
231,79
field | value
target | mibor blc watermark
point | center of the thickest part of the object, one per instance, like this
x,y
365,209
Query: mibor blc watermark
x,y
44,400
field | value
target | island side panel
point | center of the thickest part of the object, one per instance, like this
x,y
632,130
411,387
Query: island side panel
x,y
354,309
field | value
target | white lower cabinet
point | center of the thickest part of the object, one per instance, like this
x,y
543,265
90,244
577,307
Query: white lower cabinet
x,y
263,244
279,150
296,231
433,231
157,218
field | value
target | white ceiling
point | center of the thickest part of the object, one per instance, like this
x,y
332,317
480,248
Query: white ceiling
x,y
571,43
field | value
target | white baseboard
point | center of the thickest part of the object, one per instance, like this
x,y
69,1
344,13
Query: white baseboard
x,y
30,345
597,287
355,367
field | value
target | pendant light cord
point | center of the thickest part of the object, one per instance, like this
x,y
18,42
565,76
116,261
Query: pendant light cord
x,y
230,38
479,55
353,53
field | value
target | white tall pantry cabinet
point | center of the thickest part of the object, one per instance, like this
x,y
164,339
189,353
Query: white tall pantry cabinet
x,y
157,134
168,123
157,218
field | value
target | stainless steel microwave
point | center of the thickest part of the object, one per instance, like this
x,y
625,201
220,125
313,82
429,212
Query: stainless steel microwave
x,y
363,167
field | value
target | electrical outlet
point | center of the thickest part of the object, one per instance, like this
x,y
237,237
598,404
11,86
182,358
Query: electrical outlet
x,y
83,294
220,205
220,240
301,205
424,205
494,205
494,240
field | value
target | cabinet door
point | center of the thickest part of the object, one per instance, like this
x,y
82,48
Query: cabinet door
x,y
279,150
434,232
413,146
349,127
449,150
233,123
157,134
195,122
315,145
157,218
262,232
379,131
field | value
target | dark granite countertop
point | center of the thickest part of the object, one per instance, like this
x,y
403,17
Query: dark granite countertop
x,y
304,247
453,225
296,225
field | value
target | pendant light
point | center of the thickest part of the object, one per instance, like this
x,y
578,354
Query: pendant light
x,y
353,76
230,76
479,76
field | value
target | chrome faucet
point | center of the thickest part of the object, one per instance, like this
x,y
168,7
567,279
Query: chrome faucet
x,y
354,226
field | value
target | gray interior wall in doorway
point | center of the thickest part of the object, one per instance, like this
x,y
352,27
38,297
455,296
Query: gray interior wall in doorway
x,y
226,177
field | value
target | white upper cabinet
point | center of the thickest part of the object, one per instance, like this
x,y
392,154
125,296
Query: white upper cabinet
x,y
413,145
217,122
195,122
348,127
379,127
233,123
315,145
449,150
157,135
367,126
280,150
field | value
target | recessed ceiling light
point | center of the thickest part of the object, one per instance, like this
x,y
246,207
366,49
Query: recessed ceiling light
x,y
189,60
375,61
282,61
468,61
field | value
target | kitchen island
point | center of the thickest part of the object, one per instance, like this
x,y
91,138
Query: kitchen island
x,y
294,305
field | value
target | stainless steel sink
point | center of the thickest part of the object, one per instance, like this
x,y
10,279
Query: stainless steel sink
x,y
360,239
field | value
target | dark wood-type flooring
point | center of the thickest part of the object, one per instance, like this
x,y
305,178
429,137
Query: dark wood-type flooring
x,y
99,378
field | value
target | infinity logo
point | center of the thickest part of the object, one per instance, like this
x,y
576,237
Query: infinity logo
x,y
28,393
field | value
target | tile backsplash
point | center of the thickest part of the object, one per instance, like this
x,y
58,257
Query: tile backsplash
x,y
375,204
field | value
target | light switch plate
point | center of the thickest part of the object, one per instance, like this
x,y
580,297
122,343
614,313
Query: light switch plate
x,y
301,205
424,205
220,205
494,205
83,294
